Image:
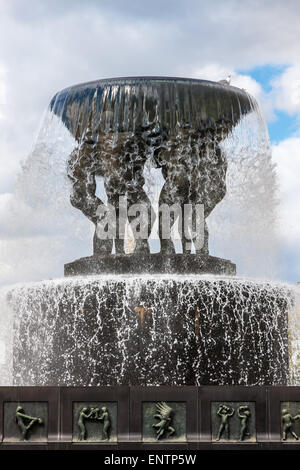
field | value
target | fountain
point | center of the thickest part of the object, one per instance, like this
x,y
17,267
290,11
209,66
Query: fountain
x,y
127,315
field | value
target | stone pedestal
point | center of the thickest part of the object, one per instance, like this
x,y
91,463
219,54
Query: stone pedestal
x,y
145,263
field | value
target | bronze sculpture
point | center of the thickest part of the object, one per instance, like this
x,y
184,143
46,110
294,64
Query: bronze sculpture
x,y
83,415
165,415
22,418
92,414
225,412
287,424
244,414
176,124
106,423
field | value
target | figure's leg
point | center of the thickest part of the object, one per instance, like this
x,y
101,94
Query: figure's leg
x,y
166,244
201,238
23,430
171,430
141,221
101,244
221,429
105,432
160,433
102,247
284,432
166,219
227,430
82,431
206,183
242,434
120,238
28,427
114,202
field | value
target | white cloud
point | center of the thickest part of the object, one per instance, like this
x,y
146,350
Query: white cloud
x,y
286,90
54,44
286,154
3,92
216,72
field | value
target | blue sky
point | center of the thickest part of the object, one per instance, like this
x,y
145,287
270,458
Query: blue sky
x,y
57,43
265,74
282,125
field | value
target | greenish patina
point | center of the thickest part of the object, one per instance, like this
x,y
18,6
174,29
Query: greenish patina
x,y
225,413
94,421
244,414
93,414
106,423
25,422
170,421
233,421
83,415
288,420
165,416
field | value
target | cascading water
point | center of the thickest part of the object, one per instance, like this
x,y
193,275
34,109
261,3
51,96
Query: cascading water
x,y
161,330
150,329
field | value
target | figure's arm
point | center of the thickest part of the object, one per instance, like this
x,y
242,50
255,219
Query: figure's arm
x,y
241,410
22,415
82,168
158,141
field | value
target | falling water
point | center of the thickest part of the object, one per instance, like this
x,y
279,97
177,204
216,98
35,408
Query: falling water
x,y
162,330
72,318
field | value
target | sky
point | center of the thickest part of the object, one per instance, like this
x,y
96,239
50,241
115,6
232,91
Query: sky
x,y
47,45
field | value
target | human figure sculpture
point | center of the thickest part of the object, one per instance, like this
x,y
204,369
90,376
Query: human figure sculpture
x,y
244,414
192,164
106,423
22,418
287,424
194,169
120,161
93,414
84,414
225,412
165,414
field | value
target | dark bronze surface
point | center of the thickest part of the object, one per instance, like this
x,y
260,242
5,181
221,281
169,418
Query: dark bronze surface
x,y
211,101
38,400
164,421
88,426
266,403
120,124
25,421
233,421
116,399
290,421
